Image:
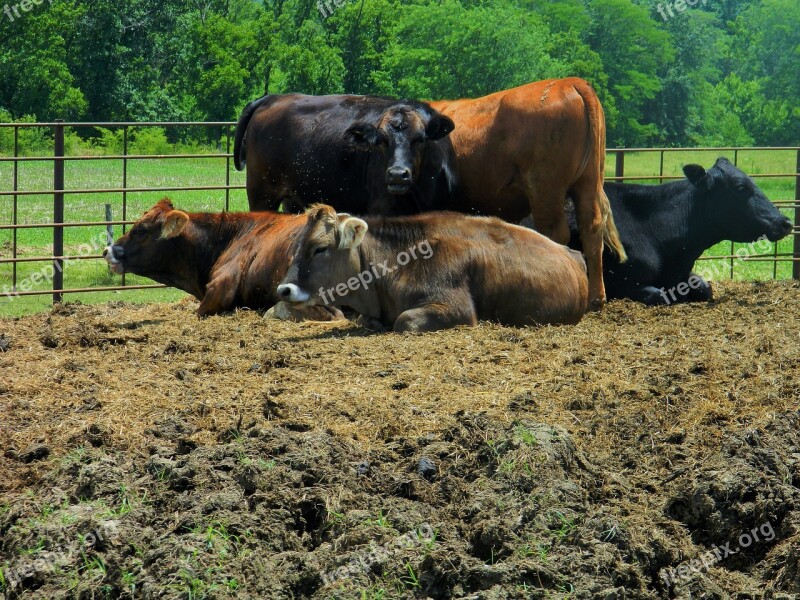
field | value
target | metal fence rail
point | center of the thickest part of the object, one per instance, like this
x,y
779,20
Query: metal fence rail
x,y
59,191
58,258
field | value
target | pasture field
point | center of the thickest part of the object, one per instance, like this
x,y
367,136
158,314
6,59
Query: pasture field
x,y
211,171
147,453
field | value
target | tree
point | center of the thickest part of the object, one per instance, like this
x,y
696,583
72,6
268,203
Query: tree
x,y
447,50
35,77
635,52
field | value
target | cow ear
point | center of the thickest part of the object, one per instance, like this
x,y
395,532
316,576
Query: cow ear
x,y
438,127
363,134
174,222
321,212
695,174
351,233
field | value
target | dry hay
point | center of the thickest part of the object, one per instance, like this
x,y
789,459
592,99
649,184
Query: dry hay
x,y
647,399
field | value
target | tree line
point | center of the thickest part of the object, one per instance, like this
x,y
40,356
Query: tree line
x,y
718,72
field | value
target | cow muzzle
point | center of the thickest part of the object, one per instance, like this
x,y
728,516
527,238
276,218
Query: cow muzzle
x,y
113,256
783,229
398,180
290,292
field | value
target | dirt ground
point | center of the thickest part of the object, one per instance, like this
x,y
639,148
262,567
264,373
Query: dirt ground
x,y
644,453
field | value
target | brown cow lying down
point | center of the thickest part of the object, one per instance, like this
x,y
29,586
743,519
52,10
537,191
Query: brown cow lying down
x,y
225,260
434,270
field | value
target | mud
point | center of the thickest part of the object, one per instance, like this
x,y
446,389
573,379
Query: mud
x,y
644,453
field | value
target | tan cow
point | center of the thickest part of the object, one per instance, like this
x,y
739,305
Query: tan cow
x,y
434,270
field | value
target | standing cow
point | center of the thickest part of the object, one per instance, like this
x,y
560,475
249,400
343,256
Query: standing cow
x,y
361,154
525,150
433,271
666,228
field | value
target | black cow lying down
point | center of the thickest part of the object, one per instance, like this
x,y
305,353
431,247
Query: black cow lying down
x,y
665,228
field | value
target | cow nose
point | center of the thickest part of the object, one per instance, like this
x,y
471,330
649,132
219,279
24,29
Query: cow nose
x,y
787,226
292,293
113,253
399,174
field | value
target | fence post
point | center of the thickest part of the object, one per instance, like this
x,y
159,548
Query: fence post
x,y
15,211
124,183
796,262
228,169
109,226
58,210
619,168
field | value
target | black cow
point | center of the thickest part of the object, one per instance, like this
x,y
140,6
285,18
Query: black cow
x,y
360,154
665,228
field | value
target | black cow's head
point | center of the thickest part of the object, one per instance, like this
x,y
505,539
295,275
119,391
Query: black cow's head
x,y
400,135
742,210
149,246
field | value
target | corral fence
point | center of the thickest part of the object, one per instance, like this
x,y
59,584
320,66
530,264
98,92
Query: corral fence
x,y
60,189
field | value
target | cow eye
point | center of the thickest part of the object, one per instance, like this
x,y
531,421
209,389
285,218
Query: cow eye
x,y
319,250
138,231
741,187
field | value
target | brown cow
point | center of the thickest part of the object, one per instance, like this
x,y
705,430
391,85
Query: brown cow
x,y
225,260
434,270
525,150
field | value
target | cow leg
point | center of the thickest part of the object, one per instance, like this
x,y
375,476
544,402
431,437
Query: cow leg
x,y
435,316
260,195
703,293
652,296
669,295
283,311
590,227
547,212
221,291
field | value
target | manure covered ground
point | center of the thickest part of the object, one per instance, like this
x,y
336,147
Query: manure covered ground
x,y
644,453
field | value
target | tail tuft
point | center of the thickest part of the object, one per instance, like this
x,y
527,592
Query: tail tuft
x,y
610,233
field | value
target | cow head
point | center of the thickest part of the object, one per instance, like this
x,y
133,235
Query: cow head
x,y
399,137
149,244
742,210
323,257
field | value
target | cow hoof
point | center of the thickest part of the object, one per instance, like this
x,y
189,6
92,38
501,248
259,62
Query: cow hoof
x,y
597,304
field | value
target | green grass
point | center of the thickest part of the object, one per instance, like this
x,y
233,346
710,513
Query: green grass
x,y
211,171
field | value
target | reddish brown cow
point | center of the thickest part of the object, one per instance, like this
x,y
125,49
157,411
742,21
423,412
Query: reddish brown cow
x,y
434,270
524,150
225,260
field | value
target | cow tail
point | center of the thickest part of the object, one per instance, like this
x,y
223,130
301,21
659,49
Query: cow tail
x,y
239,151
597,134
610,233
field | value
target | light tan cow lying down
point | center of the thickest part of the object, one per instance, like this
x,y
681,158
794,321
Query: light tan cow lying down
x,y
434,270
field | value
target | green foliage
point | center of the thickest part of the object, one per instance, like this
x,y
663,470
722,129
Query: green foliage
x,y
449,50
722,72
634,52
150,140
